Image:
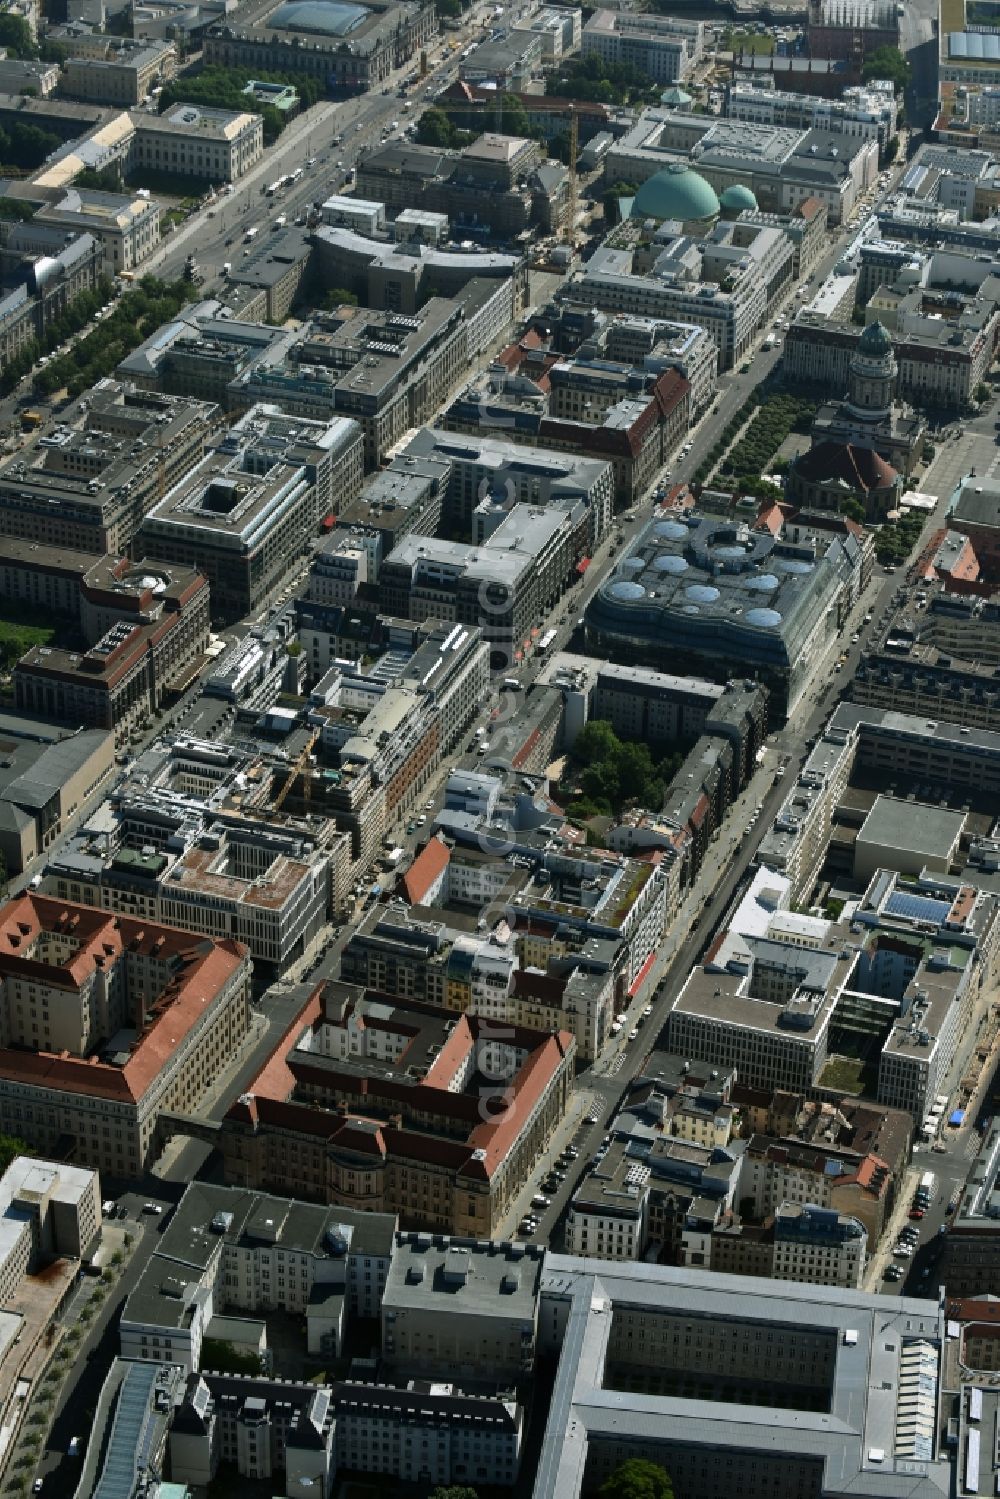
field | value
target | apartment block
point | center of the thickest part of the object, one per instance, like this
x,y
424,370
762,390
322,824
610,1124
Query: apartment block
x,y
107,1023
87,482
451,1155
868,111
238,1250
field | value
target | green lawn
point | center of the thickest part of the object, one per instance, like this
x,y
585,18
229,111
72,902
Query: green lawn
x,y
844,1074
750,41
18,636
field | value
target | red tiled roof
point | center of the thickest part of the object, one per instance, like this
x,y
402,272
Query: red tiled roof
x,y
860,468
427,867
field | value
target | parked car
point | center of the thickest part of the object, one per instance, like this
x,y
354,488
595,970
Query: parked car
x,y
540,1201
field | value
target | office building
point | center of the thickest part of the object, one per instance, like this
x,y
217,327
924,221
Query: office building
x,y
47,1208
202,354
440,1149
108,1022
657,1362
234,1249
400,276
503,586
663,47
145,628
461,1308
87,482
245,512
713,589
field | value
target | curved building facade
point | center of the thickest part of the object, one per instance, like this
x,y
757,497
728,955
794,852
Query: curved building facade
x,y
712,596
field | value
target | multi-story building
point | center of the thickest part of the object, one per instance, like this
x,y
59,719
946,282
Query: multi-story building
x,y
86,483
605,411
833,1372
457,1307
123,77
387,280
352,53
259,1427
50,777
642,1197
145,626
202,354
665,48
711,588
454,1152
246,511
126,228
869,111
905,969
107,1023
190,140
818,1245
47,1208
387,371
498,474
237,1250
172,852
856,1184
502,586
780,165
427,1431
851,28
57,269
398,734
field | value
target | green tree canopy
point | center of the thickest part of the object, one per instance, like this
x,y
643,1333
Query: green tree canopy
x,y
887,62
225,1358
613,771
453,1491
10,1145
638,1479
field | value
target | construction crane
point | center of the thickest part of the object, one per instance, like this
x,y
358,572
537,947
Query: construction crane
x,y
574,140
297,769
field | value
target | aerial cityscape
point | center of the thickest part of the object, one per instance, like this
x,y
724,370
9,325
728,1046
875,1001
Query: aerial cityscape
x,y
499,749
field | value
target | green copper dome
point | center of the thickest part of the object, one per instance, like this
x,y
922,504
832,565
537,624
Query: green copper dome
x,y
875,341
737,197
675,193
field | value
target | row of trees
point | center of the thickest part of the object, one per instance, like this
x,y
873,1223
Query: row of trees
x,y
777,416
217,87
893,544
75,317
138,314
